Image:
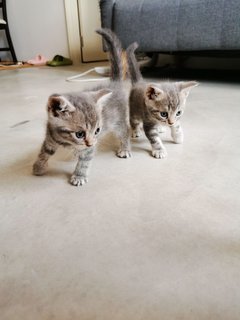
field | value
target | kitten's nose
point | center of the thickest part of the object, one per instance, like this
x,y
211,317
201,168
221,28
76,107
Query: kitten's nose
x,y
171,121
89,143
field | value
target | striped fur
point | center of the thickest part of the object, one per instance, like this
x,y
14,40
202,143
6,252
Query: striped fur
x,y
80,174
133,68
114,47
69,115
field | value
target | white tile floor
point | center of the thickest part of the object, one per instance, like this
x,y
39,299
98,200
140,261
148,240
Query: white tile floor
x,y
144,239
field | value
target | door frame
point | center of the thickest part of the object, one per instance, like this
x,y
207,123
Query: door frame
x,y
73,30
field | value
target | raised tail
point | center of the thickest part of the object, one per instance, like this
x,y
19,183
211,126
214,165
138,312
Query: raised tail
x,y
133,67
114,47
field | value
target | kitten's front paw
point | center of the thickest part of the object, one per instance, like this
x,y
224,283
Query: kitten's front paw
x,y
178,138
159,154
124,154
78,180
39,168
177,134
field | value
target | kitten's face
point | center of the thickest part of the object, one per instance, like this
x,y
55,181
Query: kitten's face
x,y
166,104
76,119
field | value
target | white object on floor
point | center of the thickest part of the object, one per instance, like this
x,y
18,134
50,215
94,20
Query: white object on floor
x,y
12,65
2,21
104,71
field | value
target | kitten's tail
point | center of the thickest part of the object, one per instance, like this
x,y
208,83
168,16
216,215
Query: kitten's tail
x,y
114,47
133,67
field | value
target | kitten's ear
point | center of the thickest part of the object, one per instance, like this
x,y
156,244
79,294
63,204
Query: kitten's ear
x,y
154,93
186,86
59,105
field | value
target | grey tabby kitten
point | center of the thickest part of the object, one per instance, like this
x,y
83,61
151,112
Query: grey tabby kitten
x,y
77,120
155,104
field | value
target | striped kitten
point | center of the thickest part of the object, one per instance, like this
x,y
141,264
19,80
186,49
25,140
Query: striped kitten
x,y
155,104
77,120
74,120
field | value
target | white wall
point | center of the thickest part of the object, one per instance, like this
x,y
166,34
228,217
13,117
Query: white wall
x,y
37,27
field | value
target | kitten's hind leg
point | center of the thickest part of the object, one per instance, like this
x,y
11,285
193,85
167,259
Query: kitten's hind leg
x,y
158,149
47,150
80,174
125,147
136,128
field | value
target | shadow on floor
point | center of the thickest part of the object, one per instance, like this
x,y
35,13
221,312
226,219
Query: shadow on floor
x,y
171,72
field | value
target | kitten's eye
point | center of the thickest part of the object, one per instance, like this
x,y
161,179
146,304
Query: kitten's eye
x,y
97,131
80,134
164,114
178,113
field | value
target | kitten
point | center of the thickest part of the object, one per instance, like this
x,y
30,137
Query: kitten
x,y
155,104
74,120
77,120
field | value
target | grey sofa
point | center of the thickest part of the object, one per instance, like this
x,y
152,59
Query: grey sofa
x,y
175,25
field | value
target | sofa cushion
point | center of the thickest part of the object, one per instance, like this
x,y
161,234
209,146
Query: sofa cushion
x,y
174,25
